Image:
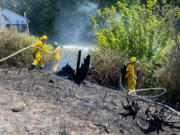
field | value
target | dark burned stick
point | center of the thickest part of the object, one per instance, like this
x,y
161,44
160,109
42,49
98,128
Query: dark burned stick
x,y
78,61
104,96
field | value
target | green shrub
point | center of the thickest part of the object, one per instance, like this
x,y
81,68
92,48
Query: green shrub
x,y
133,28
144,31
150,33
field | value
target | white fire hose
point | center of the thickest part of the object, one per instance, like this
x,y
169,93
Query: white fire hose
x,y
133,93
12,55
143,98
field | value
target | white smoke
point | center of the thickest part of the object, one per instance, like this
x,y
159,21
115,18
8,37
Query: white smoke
x,y
72,27
73,31
88,8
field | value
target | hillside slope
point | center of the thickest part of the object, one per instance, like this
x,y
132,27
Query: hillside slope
x,y
39,102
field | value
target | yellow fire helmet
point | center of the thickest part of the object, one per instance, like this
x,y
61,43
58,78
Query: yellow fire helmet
x,y
132,60
44,37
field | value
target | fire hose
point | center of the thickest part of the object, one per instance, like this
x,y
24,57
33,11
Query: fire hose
x,y
143,98
12,55
133,93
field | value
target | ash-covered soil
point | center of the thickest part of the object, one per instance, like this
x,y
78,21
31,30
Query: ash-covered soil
x,y
41,103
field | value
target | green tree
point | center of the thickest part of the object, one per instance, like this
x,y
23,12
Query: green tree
x,y
131,27
42,13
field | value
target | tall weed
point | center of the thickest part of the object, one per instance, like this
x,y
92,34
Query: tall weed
x,y
10,42
106,67
169,76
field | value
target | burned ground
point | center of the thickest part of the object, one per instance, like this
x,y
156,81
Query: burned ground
x,y
40,102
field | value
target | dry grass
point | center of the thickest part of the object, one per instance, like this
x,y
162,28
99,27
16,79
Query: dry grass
x,y
106,67
169,76
145,71
12,41
106,70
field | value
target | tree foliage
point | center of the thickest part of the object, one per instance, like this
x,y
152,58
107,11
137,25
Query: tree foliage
x,y
147,31
42,13
133,28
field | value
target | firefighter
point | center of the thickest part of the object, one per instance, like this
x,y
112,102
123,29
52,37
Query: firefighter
x,y
38,54
55,59
130,75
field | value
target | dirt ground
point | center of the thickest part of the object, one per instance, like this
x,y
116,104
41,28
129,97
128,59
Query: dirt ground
x,y
41,103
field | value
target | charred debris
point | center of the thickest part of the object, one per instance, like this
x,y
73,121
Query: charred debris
x,y
80,73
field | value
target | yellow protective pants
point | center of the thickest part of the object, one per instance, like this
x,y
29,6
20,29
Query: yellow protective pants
x,y
38,60
55,64
131,83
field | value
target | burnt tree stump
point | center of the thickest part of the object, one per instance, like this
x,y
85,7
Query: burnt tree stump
x,y
81,72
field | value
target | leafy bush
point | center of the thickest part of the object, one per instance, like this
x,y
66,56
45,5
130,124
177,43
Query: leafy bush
x,y
143,31
135,29
151,33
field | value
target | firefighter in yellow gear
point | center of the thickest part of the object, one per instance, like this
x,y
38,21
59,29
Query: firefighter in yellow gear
x,y
130,75
38,54
55,59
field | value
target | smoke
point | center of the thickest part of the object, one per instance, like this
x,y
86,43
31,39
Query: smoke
x,y
72,25
72,29
88,8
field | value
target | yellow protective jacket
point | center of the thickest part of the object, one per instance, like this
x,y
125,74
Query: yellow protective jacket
x,y
130,71
39,44
56,55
